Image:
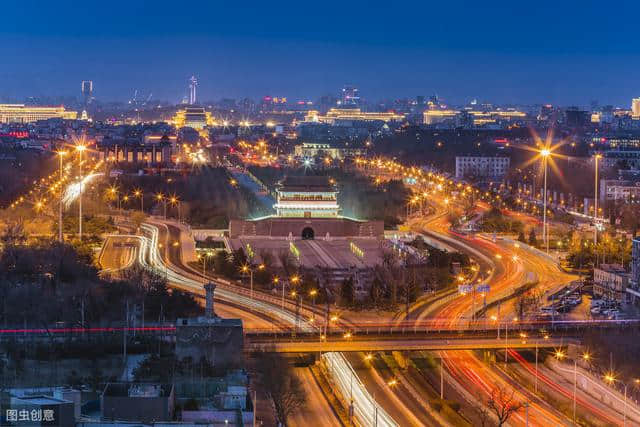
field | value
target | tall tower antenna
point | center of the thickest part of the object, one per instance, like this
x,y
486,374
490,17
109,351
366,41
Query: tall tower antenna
x,y
193,82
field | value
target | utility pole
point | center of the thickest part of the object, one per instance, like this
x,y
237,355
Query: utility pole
x,y
506,340
124,335
442,378
60,155
255,406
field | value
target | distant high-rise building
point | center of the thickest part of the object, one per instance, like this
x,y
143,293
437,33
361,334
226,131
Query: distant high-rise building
x,y
87,91
575,117
350,96
635,107
193,83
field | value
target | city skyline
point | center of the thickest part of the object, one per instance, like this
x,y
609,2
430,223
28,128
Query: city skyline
x,y
488,52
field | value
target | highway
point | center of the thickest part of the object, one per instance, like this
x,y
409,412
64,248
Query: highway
x,y
511,265
472,373
118,252
512,268
258,311
316,408
504,267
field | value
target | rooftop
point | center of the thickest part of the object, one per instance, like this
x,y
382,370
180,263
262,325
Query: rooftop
x,y
137,390
306,183
612,268
38,400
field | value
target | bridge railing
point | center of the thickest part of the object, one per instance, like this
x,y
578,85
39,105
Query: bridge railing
x,y
462,328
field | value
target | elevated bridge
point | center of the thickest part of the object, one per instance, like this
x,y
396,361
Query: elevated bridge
x,y
386,344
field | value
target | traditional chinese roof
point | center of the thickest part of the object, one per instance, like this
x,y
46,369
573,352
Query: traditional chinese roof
x,y
315,183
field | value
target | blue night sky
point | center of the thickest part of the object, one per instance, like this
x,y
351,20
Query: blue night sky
x,y
565,52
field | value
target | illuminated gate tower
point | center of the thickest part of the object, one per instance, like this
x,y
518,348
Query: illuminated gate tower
x,y
307,197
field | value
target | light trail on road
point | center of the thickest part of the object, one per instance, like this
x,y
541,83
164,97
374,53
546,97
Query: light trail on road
x,y
72,192
365,408
558,388
149,257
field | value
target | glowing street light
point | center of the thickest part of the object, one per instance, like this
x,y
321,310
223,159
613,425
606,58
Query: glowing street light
x,y
610,378
138,193
60,154
545,153
595,212
80,148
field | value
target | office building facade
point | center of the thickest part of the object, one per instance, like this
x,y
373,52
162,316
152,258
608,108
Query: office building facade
x,y
482,167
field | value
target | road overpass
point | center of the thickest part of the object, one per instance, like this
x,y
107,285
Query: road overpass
x,y
374,344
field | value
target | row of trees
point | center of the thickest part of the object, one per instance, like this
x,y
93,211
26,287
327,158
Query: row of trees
x,y
44,283
495,221
207,197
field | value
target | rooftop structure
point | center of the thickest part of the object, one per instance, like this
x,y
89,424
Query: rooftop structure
x,y
193,117
307,197
211,337
20,113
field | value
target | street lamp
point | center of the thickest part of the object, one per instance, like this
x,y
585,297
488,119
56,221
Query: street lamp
x,y
276,280
248,269
80,148
113,190
595,212
61,154
176,202
138,193
160,198
204,257
611,378
545,153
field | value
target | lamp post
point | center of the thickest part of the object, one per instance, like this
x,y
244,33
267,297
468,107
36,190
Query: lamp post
x,y
610,378
585,356
176,202
80,149
138,193
204,265
506,338
160,197
114,193
248,269
295,279
545,153
61,154
595,212
276,280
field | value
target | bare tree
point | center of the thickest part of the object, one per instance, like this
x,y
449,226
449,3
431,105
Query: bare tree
x,y
281,385
483,417
503,404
